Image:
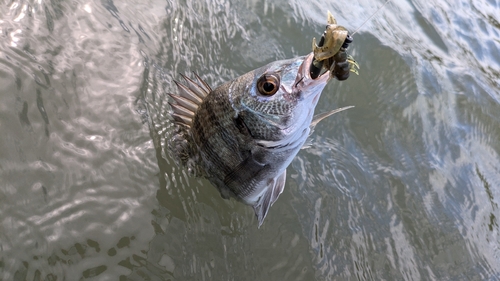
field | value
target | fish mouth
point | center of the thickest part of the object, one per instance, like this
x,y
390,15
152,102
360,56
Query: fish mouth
x,y
307,72
304,78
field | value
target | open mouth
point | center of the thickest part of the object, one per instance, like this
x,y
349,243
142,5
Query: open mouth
x,y
314,70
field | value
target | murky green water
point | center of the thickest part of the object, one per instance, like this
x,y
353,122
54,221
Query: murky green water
x,y
405,186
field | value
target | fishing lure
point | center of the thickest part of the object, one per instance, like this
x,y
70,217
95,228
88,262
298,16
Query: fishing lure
x,y
331,51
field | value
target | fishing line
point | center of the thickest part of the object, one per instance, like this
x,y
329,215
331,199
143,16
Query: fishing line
x,y
376,12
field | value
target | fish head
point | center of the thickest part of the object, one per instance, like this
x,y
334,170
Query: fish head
x,y
275,104
281,98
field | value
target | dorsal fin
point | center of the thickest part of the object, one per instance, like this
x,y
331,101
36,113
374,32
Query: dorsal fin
x,y
188,98
202,83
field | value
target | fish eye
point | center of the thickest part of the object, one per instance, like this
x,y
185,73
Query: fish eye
x,y
268,84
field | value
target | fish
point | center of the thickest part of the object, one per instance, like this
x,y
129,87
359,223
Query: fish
x,y
243,134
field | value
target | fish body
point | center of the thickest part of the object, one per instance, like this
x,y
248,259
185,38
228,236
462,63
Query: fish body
x,y
242,135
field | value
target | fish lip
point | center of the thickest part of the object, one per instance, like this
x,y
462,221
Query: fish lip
x,y
304,79
305,74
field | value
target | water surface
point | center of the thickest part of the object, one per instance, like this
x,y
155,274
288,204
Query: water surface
x,y
404,186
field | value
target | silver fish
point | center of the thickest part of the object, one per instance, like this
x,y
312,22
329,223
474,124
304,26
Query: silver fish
x,y
242,135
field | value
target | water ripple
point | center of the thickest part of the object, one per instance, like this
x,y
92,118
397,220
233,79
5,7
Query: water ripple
x,y
403,186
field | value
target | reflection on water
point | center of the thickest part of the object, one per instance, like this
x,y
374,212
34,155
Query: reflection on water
x,y
404,186
74,181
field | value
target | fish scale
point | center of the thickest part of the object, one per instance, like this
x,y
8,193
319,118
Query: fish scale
x,y
220,144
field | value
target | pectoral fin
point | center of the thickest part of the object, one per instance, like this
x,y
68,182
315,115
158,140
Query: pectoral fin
x,y
319,117
273,191
243,173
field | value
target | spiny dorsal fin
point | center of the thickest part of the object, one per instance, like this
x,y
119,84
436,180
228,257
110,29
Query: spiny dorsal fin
x,y
202,83
184,102
187,100
197,88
